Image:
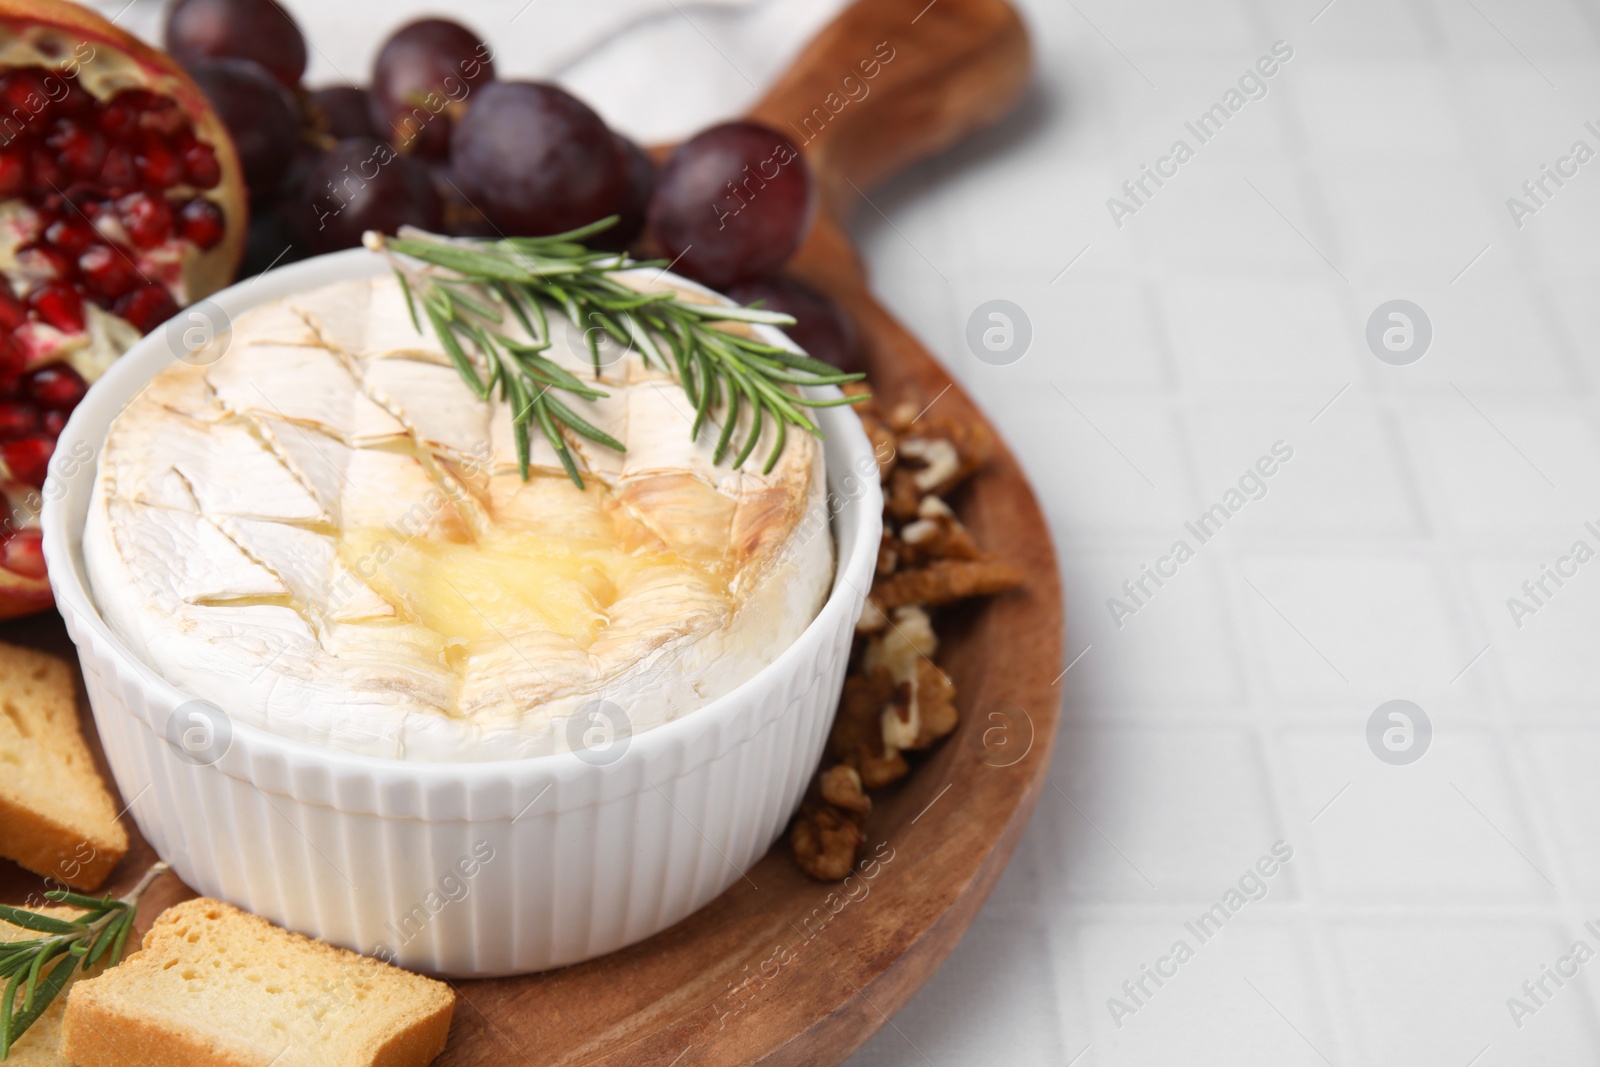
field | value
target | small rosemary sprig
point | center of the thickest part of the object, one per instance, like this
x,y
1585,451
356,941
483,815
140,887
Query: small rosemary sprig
x,y
479,287
38,969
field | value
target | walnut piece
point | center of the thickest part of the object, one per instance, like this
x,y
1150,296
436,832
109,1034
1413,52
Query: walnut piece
x,y
857,737
898,700
944,581
936,705
936,533
827,841
841,787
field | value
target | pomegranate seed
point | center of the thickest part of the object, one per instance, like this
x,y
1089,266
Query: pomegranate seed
x,y
55,388
13,361
28,459
200,162
23,553
17,421
45,170
158,164
12,311
24,90
107,271
71,236
77,101
146,307
200,222
118,173
136,100
118,118
54,423
59,305
13,172
146,217
80,149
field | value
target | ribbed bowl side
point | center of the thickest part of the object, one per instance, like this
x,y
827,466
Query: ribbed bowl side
x,y
586,865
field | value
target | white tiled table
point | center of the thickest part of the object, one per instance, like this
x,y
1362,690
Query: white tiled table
x,y
1229,313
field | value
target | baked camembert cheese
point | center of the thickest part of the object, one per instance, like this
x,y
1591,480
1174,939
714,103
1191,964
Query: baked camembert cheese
x,y
314,524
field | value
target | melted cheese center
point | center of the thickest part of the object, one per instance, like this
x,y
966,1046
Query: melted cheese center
x,y
506,582
556,567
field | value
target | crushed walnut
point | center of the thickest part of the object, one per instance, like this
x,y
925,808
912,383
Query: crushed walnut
x,y
896,699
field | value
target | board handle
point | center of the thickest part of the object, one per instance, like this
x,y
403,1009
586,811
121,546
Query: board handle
x,y
890,82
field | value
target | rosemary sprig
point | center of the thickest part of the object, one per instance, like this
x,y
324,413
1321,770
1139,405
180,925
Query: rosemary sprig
x,y
477,290
35,971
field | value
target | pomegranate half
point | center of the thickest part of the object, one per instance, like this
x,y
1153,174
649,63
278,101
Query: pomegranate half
x,y
121,201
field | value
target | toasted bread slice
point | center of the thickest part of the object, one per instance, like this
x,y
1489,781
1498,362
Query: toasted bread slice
x,y
39,1047
218,987
56,816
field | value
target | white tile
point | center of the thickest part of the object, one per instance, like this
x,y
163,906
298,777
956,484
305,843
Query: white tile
x,y
1565,759
1249,329
1139,814
1354,29
1503,468
1247,995
1377,110
1543,634
1515,108
1543,31
1430,992
1352,630
1159,25
1424,218
1172,659
1213,218
1490,331
1447,829
1086,332
1577,317
1346,475
1105,462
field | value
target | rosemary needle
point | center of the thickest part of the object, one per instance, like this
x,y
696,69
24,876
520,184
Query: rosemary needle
x,y
471,284
36,970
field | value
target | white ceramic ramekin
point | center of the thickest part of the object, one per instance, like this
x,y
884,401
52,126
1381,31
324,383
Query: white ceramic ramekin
x,y
462,869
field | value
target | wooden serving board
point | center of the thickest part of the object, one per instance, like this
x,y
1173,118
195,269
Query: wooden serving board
x,y
781,969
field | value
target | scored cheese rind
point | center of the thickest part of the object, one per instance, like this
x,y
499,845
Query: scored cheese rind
x,y
325,533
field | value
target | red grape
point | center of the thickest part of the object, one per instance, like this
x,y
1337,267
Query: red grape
x,y
462,218
640,172
536,159
422,76
732,204
821,326
273,239
363,185
346,111
258,30
260,114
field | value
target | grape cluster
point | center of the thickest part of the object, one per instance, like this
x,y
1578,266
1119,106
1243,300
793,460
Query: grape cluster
x,y
441,143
